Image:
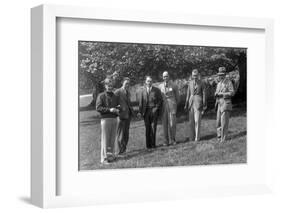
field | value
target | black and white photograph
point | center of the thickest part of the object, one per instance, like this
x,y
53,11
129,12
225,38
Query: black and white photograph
x,y
160,105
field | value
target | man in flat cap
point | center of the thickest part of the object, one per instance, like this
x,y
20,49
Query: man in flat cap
x,y
223,94
107,105
170,95
195,104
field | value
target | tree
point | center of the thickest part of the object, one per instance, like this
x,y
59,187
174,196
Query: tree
x,y
100,59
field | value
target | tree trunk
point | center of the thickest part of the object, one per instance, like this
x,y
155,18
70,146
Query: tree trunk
x,y
241,94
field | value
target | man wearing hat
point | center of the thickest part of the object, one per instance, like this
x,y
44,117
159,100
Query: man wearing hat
x,y
195,104
223,94
170,95
107,105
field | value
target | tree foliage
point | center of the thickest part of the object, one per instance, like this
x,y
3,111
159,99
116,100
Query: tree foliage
x,y
100,59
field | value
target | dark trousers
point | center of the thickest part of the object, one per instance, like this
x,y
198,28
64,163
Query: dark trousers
x,y
123,134
150,121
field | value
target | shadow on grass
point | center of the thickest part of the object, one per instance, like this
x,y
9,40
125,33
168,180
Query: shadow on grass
x,y
143,152
239,134
209,137
135,153
214,135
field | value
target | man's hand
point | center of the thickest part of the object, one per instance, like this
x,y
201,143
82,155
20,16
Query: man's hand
x,y
114,110
139,115
154,110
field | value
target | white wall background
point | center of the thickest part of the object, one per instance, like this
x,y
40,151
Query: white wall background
x,y
15,104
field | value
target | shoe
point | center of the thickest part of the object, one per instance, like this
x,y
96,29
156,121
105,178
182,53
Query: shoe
x,y
121,155
174,143
105,162
165,144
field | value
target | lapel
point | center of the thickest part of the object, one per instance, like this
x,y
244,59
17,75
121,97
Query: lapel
x,y
221,87
144,93
126,97
124,93
152,89
192,87
162,87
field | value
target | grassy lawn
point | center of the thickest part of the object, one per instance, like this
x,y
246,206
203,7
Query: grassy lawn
x,y
207,151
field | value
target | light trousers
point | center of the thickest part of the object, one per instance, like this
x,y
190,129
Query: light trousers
x,y
222,124
169,122
195,116
108,137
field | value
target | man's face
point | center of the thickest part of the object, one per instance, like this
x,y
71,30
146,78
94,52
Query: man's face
x,y
195,77
148,82
166,77
126,84
109,87
221,77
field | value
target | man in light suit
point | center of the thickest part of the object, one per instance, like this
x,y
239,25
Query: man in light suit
x,y
195,104
150,103
223,94
124,118
170,95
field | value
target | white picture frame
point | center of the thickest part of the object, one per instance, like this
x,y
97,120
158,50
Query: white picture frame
x,y
44,167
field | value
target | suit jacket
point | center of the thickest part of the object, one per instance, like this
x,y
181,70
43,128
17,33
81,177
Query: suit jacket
x,y
224,92
170,95
196,96
126,109
151,100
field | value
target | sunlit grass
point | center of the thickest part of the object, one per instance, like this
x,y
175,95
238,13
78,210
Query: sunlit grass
x,y
207,151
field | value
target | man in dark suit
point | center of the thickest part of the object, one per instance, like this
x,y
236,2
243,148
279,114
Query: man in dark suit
x,y
124,119
150,102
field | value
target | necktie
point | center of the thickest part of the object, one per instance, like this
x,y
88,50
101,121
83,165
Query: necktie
x,y
195,88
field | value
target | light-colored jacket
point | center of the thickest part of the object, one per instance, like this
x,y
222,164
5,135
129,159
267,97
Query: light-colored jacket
x,y
223,94
195,97
170,95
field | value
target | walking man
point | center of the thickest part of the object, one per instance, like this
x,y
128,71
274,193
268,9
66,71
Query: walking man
x,y
195,104
124,118
170,95
107,105
150,102
223,94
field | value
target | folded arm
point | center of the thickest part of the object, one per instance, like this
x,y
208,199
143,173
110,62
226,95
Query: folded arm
x,y
101,106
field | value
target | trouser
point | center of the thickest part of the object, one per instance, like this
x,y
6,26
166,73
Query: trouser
x,y
150,121
222,124
108,137
123,134
195,116
169,122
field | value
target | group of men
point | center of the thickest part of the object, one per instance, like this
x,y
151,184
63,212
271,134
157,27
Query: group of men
x,y
162,102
